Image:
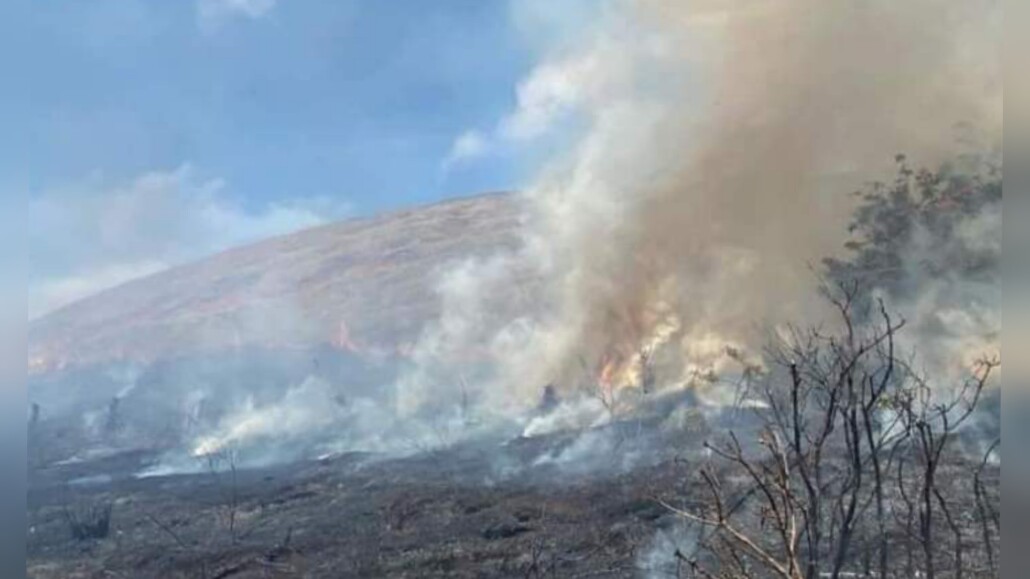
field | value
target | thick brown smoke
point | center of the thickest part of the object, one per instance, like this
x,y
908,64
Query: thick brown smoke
x,y
721,140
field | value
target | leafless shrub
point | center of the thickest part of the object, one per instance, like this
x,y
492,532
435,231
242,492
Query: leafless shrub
x,y
223,467
813,494
989,519
89,521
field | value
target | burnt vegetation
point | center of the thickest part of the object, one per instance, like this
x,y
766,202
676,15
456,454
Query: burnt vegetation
x,y
855,468
850,460
89,521
913,228
861,464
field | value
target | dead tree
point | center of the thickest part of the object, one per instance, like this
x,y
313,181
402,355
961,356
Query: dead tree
x,y
647,374
548,400
990,521
228,489
113,422
841,414
934,421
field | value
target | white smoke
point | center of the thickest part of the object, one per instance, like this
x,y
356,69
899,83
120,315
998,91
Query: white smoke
x,y
714,145
717,142
570,415
669,552
306,408
957,317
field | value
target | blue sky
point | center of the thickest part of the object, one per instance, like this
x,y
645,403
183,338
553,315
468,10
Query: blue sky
x,y
158,131
359,99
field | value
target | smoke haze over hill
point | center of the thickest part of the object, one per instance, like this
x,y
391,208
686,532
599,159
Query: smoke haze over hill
x,y
714,148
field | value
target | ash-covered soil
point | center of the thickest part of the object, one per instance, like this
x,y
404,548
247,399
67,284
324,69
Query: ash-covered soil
x,y
567,504
489,509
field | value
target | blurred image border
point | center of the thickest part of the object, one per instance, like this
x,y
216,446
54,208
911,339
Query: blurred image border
x,y
1016,292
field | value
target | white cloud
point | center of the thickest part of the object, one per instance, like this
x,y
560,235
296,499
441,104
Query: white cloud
x,y
212,13
548,94
96,235
469,145
553,90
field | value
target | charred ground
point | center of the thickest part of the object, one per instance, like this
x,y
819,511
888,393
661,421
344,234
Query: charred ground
x,y
473,511
490,509
903,463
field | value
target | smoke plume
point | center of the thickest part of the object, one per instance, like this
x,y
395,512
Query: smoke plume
x,y
714,147
716,144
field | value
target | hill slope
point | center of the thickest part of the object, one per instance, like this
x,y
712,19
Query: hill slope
x,y
356,284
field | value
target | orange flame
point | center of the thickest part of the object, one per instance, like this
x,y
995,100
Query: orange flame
x,y
608,371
